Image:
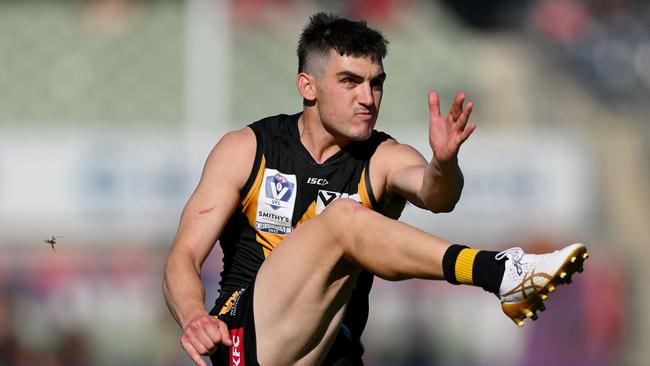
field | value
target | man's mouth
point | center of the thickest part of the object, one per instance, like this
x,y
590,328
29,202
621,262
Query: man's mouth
x,y
365,114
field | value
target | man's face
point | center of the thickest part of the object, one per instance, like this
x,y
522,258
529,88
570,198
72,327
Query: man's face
x,y
349,92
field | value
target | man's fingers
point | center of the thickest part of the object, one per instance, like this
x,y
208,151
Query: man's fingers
x,y
218,331
199,343
467,132
464,116
212,330
199,333
457,105
191,351
434,103
225,335
202,336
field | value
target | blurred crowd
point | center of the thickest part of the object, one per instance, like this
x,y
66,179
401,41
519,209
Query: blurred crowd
x,y
79,306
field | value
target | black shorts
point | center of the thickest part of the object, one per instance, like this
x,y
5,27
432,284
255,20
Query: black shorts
x,y
236,311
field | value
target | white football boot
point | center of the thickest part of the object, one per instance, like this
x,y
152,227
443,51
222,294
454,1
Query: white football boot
x,y
529,278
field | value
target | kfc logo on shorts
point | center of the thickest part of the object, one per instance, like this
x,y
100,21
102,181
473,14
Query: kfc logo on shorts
x,y
237,349
279,190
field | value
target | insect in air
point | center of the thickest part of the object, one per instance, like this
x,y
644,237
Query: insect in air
x,y
52,241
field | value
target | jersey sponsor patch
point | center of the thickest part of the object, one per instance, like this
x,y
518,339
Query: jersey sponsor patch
x,y
275,202
279,188
237,349
326,197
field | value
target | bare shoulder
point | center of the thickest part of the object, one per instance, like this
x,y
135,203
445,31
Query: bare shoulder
x,y
390,157
216,196
232,157
391,154
240,140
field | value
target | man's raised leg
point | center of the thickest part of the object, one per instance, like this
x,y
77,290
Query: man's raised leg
x,y
302,288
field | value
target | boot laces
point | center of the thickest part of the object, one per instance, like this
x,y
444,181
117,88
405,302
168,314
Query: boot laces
x,y
515,255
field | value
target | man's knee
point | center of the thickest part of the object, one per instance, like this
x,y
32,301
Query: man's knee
x,y
341,215
344,207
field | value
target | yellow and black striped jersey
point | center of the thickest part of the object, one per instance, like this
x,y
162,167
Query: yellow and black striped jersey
x,y
287,187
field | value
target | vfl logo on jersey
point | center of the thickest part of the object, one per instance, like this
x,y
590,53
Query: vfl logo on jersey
x,y
326,197
279,190
275,202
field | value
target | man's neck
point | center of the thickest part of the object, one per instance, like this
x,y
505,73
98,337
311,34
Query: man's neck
x,y
320,144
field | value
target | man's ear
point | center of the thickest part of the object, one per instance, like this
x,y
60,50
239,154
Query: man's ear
x,y
306,86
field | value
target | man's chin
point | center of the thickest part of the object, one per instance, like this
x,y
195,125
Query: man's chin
x,y
362,136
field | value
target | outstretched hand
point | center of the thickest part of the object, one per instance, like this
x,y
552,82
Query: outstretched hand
x,y
202,335
447,133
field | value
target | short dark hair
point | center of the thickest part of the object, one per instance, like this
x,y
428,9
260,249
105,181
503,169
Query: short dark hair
x,y
327,32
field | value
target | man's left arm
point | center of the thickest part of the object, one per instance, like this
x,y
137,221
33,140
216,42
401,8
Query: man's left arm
x,y
435,185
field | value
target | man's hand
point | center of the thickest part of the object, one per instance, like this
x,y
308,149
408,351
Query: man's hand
x,y
447,133
202,334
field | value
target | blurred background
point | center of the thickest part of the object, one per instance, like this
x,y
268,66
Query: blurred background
x,y
108,109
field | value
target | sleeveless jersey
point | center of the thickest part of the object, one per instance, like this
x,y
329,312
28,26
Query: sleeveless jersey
x,y
287,187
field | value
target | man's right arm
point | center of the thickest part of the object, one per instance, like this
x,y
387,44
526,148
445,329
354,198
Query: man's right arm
x,y
202,221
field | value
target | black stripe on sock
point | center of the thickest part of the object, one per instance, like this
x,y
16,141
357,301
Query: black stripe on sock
x,y
487,271
449,263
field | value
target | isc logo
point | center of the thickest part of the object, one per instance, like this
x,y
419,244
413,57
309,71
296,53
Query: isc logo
x,y
317,181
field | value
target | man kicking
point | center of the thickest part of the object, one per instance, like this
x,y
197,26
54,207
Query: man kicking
x,y
304,207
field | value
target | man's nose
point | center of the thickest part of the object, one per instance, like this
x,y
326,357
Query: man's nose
x,y
365,94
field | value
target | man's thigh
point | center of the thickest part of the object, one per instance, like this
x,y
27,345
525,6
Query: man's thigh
x,y
301,292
